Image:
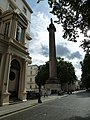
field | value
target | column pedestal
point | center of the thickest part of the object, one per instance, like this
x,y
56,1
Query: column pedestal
x,y
4,98
23,96
52,86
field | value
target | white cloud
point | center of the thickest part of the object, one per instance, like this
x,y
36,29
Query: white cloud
x,y
38,59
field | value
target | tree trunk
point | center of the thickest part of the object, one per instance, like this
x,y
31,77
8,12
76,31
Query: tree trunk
x,y
39,95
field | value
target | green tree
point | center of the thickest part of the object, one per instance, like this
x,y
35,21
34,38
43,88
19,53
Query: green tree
x,y
72,15
85,66
43,75
65,71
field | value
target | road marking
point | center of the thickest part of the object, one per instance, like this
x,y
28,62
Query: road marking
x,y
21,110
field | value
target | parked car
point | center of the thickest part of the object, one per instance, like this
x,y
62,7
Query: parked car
x,y
32,95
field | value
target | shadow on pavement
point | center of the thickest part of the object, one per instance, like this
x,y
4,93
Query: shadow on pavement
x,y
79,118
83,94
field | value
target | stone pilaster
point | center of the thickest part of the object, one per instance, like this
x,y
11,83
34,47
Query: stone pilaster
x,y
5,70
22,90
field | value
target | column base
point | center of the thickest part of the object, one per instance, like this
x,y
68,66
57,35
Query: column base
x,y
23,96
52,88
52,85
52,80
4,99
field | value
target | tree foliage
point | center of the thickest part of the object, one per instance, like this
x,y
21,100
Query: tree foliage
x,y
85,66
65,72
72,15
43,74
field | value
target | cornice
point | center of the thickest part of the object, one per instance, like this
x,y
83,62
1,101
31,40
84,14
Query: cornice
x,y
24,1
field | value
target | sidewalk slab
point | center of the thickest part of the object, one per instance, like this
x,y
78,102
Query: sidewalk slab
x,y
8,109
4,110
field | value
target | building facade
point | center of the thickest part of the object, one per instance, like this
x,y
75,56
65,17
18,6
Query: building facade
x,y
31,74
14,56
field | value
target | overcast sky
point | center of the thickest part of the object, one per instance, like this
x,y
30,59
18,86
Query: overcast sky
x,y
40,20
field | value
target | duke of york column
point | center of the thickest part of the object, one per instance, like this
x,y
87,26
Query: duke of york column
x,y
52,83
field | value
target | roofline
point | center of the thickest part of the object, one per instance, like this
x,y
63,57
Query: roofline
x,y
32,65
27,6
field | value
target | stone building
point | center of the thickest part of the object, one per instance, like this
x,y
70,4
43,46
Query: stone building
x,y
14,56
31,74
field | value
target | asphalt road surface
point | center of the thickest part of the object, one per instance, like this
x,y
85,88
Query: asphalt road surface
x,y
72,107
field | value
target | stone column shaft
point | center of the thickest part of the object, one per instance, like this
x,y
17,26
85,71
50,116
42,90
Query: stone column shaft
x,y
52,52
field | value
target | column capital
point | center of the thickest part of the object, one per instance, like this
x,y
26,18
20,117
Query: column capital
x,y
9,53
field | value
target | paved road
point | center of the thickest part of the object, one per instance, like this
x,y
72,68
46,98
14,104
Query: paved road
x,y
72,107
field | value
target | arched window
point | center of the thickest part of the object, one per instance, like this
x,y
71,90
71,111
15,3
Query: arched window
x,y
15,64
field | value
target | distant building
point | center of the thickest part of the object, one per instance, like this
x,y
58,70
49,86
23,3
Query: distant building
x,y
71,87
31,74
15,19
77,85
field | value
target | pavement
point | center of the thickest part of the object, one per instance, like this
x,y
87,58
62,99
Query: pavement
x,y
8,109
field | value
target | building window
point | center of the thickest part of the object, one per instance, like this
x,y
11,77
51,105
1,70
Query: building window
x,y
36,86
19,33
30,87
11,7
30,72
6,29
30,79
25,10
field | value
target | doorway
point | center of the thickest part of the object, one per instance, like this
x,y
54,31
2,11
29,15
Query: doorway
x,y
14,80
